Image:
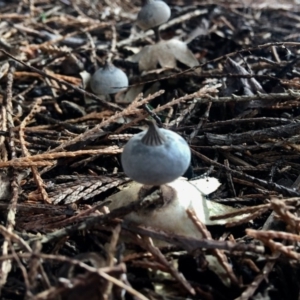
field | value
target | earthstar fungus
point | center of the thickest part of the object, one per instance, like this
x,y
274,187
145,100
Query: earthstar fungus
x,y
108,80
155,156
152,14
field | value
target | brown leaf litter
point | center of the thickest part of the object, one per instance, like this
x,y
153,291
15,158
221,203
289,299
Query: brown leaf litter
x,y
225,76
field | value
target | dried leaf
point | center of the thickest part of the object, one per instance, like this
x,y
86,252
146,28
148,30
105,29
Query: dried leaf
x,y
182,53
164,53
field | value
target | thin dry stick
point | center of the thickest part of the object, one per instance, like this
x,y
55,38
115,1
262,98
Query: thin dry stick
x,y
223,57
23,270
127,111
34,266
145,243
61,82
190,243
37,178
279,247
26,164
283,212
78,217
122,285
15,238
221,257
4,154
113,44
201,93
61,38
100,271
64,259
229,179
266,237
86,224
42,158
93,55
111,256
50,293
271,234
175,21
9,235
12,208
264,183
241,211
248,218
251,289
289,95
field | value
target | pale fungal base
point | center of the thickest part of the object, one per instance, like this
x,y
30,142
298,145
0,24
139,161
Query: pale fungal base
x,y
165,208
170,202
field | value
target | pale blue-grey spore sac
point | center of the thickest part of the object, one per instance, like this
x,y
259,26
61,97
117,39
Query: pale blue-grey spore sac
x,y
108,80
155,162
152,14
